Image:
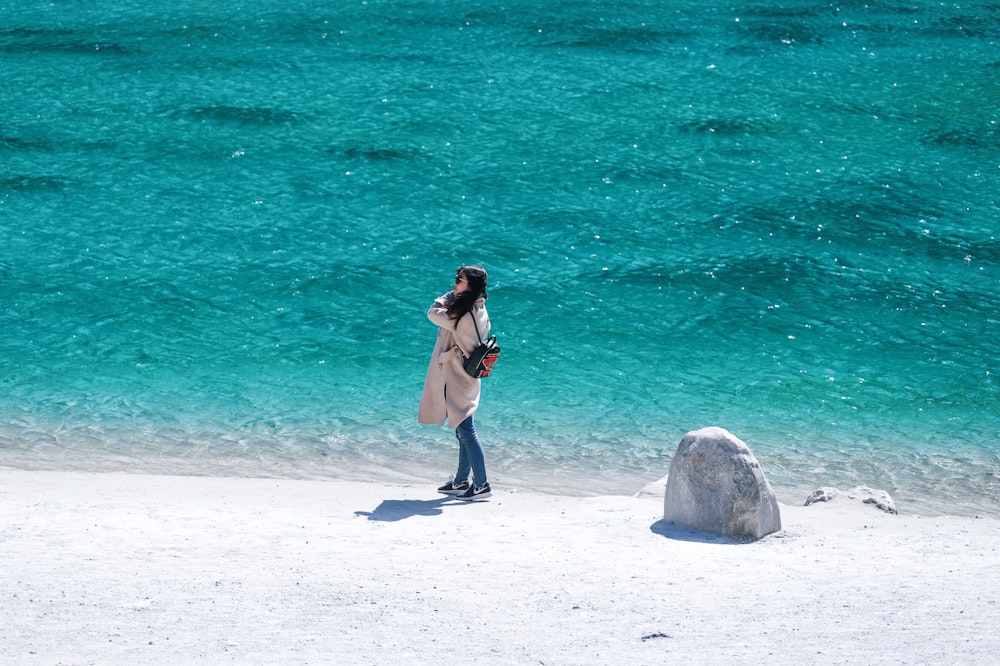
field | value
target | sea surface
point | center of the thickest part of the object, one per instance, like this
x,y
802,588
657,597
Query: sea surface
x,y
221,225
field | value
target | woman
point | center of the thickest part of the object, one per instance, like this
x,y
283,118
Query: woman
x,y
450,394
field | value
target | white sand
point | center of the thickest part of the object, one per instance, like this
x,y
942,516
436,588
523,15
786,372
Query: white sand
x,y
115,568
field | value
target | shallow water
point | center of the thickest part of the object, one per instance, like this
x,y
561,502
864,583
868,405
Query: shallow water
x,y
222,226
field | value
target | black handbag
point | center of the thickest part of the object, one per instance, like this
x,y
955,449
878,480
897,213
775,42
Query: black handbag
x,y
482,359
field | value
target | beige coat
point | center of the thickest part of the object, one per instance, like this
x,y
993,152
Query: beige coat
x,y
449,392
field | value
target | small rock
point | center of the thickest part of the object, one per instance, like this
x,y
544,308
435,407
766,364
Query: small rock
x,y
822,495
879,498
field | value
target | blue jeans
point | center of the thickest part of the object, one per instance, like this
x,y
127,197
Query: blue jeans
x,y
470,454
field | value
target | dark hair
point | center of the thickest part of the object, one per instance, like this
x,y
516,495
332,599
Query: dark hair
x,y
462,305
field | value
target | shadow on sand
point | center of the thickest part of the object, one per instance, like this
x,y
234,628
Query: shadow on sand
x,y
393,510
678,533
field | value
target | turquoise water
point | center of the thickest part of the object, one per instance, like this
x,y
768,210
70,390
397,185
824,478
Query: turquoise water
x,y
222,224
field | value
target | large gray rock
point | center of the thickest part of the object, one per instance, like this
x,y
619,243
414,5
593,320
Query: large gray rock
x,y
717,486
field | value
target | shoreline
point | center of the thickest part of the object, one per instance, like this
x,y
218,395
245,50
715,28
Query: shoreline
x,y
419,473
117,567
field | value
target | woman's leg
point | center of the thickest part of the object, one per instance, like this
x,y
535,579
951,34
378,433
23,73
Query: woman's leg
x,y
472,448
463,461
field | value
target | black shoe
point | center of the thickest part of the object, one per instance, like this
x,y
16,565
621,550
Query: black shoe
x,y
477,492
451,488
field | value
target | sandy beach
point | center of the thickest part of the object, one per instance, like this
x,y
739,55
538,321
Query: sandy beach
x,y
119,568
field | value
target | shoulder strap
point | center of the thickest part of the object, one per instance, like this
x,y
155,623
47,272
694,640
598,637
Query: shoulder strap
x,y
474,325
